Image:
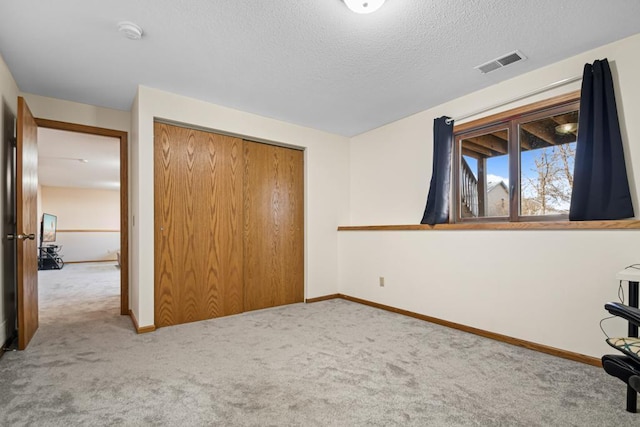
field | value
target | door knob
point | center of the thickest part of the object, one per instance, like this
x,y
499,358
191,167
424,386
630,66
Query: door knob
x,y
21,236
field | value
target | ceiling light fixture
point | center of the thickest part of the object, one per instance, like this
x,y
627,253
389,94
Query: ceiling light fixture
x,y
130,30
76,159
566,128
364,6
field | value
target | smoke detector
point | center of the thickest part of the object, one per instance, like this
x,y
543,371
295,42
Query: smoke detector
x,y
130,30
503,61
364,6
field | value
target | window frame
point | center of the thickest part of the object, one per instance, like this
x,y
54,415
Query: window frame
x,y
457,138
510,120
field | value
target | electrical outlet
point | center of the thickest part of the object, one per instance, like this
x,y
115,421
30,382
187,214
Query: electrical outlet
x,y
381,282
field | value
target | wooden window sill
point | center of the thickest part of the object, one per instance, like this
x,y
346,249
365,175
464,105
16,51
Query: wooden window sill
x,y
546,225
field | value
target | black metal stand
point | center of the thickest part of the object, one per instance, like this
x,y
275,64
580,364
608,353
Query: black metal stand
x,y
49,258
632,395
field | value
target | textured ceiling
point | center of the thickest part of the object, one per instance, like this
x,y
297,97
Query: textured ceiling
x,y
309,62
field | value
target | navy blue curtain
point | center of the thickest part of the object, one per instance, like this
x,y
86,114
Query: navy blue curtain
x,y
437,210
600,186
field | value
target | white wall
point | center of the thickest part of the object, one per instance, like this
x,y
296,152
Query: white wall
x,y
88,222
135,254
326,185
43,107
551,286
8,108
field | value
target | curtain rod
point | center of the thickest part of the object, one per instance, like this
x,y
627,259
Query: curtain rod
x,y
518,98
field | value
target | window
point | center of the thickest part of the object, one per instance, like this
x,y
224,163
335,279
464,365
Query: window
x,y
518,165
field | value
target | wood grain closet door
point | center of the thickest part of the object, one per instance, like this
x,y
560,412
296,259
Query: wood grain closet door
x,y
273,226
198,225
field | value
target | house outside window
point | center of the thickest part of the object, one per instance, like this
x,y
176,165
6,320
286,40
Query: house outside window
x,y
517,165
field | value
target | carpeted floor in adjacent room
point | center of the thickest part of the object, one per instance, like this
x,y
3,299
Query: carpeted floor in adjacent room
x,y
333,363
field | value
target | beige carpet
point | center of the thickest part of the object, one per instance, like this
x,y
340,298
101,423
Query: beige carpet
x,y
333,363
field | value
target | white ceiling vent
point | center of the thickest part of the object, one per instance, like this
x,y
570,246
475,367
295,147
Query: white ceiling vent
x,y
503,61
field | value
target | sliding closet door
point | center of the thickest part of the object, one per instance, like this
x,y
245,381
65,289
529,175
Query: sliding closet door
x,y
198,225
273,226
